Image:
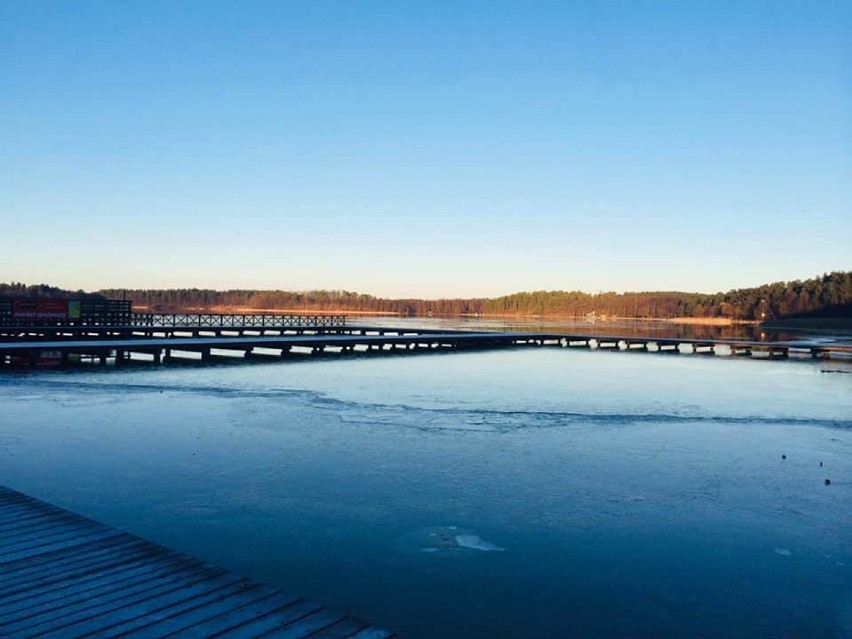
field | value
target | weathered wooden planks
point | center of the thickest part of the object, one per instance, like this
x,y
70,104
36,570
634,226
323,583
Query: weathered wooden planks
x,y
63,575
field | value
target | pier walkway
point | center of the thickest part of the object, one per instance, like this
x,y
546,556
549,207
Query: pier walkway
x,y
47,333
102,347
65,576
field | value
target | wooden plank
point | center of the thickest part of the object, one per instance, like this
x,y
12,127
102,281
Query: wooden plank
x,y
340,630
8,493
372,633
14,507
306,626
165,606
10,523
125,598
29,581
245,613
11,538
34,545
67,589
58,545
44,567
63,575
70,553
261,627
43,528
189,617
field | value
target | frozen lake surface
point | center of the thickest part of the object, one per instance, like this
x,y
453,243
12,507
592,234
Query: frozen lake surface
x,y
545,493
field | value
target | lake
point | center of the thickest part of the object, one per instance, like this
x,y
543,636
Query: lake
x,y
531,492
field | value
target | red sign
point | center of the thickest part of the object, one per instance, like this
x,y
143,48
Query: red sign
x,y
40,309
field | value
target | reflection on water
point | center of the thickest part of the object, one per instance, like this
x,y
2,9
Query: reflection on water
x,y
547,492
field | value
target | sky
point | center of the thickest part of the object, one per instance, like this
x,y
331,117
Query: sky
x,y
429,149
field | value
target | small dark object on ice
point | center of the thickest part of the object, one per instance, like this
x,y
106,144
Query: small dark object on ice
x,y
827,482
820,464
783,456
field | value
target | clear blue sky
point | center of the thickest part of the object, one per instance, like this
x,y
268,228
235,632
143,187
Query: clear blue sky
x,y
425,148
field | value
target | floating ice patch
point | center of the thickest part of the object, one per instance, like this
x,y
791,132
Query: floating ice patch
x,y
477,543
783,551
444,540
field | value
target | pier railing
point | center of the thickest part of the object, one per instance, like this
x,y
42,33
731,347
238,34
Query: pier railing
x,y
198,320
234,319
8,320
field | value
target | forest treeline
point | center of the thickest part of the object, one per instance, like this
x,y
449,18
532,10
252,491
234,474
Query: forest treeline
x,y
829,295
16,289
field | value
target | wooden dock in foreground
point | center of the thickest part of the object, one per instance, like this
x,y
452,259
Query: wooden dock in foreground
x,y
63,575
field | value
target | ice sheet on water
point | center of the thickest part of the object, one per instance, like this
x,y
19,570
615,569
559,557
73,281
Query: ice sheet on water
x,y
79,389
436,419
477,543
459,420
81,386
444,541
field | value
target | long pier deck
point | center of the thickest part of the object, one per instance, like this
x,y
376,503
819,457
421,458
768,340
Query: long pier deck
x,y
63,575
47,333
167,337
102,345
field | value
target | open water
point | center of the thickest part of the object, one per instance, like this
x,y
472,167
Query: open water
x,y
522,493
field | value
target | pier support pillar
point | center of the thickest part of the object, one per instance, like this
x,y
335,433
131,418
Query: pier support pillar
x,y
635,346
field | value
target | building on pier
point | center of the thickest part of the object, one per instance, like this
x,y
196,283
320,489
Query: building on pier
x,y
50,311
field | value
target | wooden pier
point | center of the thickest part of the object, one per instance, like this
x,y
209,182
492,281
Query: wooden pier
x,y
211,337
103,349
65,576
162,349
48,333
